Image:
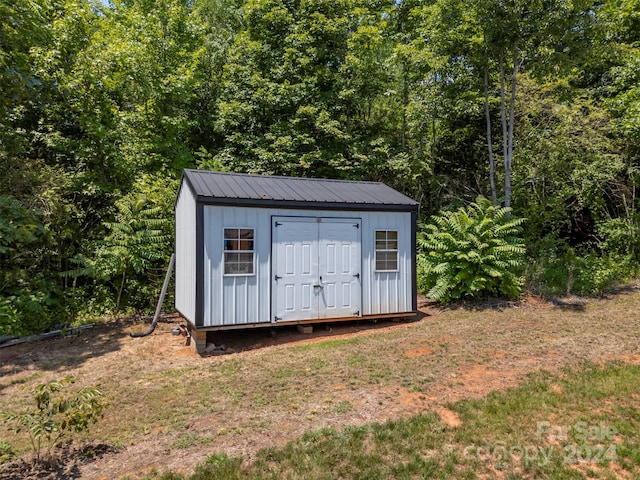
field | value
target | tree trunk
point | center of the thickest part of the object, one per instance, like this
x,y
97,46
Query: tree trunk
x,y
507,123
492,167
124,273
512,107
503,119
405,102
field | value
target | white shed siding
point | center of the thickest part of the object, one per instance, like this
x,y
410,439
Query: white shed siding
x,y
186,254
386,292
236,300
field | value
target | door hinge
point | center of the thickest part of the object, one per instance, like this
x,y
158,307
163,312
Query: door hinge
x,y
275,319
357,314
277,278
277,224
357,275
357,225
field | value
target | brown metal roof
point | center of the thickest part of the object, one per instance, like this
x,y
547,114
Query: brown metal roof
x,y
244,189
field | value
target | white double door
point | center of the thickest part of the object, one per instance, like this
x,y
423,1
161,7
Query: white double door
x,y
316,267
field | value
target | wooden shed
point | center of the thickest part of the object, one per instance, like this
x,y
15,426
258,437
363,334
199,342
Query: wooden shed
x,y
256,251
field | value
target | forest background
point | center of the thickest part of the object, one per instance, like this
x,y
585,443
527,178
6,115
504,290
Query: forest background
x,y
533,104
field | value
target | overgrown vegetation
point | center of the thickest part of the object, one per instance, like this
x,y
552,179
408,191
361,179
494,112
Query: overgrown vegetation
x,y
471,252
553,426
104,103
54,417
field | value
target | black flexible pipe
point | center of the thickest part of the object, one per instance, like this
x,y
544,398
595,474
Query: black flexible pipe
x,y
160,301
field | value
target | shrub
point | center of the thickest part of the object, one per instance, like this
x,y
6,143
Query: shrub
x,y
472,252
6,451
54,416
586,274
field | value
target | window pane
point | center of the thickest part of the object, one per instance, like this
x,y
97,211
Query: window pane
x,y
230,233
246,268
381,235
245,257
392,244
230,258
392,235
246,244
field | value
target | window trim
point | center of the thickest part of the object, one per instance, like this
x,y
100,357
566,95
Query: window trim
x,y
385,250
225,251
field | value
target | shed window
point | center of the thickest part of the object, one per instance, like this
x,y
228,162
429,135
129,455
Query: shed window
x,y
386,250
238,251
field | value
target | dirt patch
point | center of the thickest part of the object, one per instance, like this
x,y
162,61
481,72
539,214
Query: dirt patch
x,y
171,408
417,352
449,417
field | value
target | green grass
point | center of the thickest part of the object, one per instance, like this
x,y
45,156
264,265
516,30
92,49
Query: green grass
x,y
575,424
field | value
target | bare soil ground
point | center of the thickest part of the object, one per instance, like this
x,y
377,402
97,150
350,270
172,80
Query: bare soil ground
x,y
171,408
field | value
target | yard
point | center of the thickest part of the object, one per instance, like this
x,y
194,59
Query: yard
x,y
170,409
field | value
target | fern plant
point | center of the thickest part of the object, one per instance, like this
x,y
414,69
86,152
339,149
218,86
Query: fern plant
x,y
471,252
136,240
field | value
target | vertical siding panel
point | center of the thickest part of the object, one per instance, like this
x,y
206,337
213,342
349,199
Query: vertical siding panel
x,y
185,245
263,286
212,267
367,271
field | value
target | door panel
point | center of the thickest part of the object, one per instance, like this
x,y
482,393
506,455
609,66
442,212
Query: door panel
x,y
339,268
316,267
295,263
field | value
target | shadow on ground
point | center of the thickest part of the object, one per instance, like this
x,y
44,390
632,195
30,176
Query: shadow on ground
x,y
233,341
59,353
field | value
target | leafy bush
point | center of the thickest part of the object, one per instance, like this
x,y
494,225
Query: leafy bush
x,y
471,252
6,451
54,416
29,297
586,274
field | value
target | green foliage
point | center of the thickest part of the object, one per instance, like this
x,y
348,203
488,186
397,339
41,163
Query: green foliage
x,y
136,241
55,416
28,299
471,252
6,451
558,270
19,226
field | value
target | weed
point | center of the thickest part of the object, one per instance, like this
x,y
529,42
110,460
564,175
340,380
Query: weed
x,y
191,439
54,416
343,407
6,451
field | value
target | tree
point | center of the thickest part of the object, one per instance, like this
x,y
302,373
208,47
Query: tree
x,y
135,240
